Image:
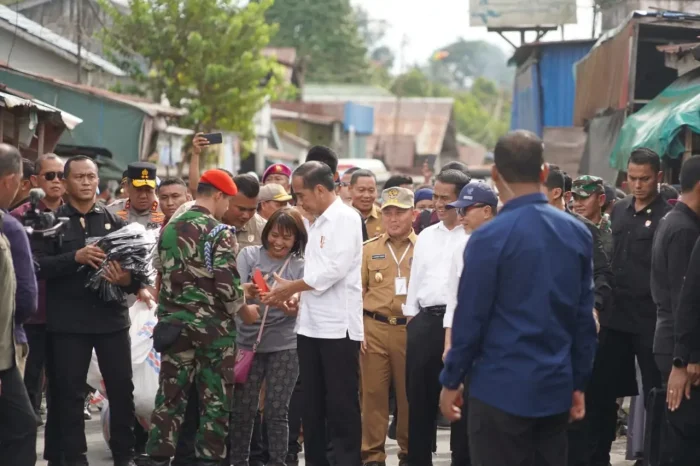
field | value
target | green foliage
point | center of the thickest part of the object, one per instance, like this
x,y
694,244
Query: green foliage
x,y
326,33
481,112
468,60
203,55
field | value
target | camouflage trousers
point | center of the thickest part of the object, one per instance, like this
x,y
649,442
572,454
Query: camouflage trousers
x,y
210,367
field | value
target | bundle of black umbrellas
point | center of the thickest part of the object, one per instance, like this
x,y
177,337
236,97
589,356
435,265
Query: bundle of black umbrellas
x,y
132,247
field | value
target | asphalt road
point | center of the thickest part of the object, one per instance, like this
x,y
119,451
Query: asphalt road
x,y
99,455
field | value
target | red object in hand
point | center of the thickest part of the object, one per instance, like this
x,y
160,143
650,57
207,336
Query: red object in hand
x,y
260,282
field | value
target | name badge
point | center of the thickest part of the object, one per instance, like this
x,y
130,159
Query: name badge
x,y
400,286
379,256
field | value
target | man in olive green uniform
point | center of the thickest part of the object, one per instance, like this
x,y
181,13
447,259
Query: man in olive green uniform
x,y
142,204
589,198
200,293
386,266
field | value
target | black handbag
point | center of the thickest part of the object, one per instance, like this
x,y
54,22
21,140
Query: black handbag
x,y
165,334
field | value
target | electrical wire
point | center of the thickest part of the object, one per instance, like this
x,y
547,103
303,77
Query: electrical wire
x,y
14,36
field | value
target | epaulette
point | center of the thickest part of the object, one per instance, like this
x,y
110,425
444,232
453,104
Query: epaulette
x,y
371,239
158,217
123,214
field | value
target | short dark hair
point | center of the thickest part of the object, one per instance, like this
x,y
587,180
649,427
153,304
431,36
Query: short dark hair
x,y
27,168
668,192
173,180
456,165
247,185
206,190
396,181
38,163
690,174
519,156
645,156
351,170
287,219
556,179
568,182
77,158
316,173
10,160
455,177
325,155
361,174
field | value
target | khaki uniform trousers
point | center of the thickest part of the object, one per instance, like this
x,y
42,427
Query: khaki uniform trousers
x,y
382,362
21,355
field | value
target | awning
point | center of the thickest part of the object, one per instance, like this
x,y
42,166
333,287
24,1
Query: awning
x,y
11,101
657,125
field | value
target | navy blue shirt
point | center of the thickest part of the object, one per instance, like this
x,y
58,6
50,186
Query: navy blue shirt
x,y
523,328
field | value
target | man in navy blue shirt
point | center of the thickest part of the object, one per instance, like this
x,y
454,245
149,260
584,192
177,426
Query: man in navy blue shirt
x,y
523,330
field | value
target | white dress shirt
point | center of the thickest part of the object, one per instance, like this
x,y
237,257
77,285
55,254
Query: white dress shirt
x,y
333,262
453,281
430,270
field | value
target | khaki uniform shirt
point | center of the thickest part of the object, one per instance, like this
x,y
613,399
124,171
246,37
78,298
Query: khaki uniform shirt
x,y
251,233
151,219
373,222
379,270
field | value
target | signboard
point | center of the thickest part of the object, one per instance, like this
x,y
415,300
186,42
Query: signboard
x,y
521,14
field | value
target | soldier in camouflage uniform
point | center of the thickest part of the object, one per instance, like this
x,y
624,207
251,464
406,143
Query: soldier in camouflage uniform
x,y
589,199
200,293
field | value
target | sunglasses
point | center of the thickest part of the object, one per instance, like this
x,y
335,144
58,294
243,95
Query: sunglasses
x,y
462,211
50,176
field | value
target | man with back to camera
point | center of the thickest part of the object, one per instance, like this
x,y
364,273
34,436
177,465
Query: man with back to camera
x,y
524,337
78,321
627,331
17,421
363,189
425,306
672,252
328,342
25,186
48,175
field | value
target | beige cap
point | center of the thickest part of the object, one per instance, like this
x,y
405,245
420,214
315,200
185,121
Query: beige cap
x,y
273,192
397,197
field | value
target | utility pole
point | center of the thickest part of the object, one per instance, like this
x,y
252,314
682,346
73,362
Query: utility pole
x,y
78,7
399,91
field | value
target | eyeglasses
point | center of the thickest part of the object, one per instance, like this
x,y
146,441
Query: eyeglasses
x,y
50,176
462,211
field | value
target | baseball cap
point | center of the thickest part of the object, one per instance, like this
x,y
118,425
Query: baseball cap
x,y
587,185
475,192
220,180
397,197
424,194
273,192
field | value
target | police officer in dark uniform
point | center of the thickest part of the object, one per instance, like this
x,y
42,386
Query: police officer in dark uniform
x,y
141,206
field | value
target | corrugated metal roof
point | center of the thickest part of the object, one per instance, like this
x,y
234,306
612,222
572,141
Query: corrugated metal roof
x,y
20,24
340,92
677,48
11,100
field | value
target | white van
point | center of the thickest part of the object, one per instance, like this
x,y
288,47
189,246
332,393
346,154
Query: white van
x,y
376,166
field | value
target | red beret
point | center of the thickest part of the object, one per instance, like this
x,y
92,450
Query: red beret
x,y
277,169
220,180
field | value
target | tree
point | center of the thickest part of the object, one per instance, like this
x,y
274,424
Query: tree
x,y
468,60
326,32
203,55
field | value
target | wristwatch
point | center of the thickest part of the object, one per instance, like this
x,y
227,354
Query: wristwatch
x,y
679,362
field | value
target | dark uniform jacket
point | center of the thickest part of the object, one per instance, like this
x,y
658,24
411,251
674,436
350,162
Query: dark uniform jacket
x,y
71,307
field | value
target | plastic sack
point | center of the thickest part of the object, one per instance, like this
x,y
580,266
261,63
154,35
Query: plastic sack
x,y
104,422
145,362
132,247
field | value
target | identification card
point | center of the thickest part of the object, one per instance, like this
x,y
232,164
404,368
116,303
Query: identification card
x,y
400,286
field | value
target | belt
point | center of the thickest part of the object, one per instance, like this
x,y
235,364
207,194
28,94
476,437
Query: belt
x,y
384,319
434,310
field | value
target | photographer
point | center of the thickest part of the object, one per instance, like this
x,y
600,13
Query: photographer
x,y
78,321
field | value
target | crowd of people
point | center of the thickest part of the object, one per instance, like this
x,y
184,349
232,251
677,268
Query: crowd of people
x,y
311,309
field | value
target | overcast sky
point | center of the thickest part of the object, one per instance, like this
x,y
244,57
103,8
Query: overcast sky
x,y
431,24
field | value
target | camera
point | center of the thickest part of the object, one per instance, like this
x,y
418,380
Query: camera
x,y
41,225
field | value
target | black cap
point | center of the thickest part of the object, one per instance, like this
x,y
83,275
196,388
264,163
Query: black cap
x,y
142,174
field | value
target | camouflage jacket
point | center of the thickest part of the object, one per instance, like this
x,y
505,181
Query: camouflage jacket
x,y
606,236
200,283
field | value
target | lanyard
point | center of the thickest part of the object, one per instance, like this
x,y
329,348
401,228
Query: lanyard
x,y
399,261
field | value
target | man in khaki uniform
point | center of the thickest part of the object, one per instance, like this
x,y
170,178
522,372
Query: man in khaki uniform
x,y
363,189
386,266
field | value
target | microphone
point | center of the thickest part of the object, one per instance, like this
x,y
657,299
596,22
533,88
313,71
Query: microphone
x,y
35,195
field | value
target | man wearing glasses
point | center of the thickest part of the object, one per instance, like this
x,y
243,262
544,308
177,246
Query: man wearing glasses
x,y
48,175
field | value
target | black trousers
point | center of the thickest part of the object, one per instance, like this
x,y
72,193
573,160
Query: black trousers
x,y
67,368
425,343
497,438
17,421
614,376
295,408
680,434
330,371
34,370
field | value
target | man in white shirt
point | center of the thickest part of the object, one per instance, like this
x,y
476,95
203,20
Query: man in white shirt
x,y
329,326
476,206
425,305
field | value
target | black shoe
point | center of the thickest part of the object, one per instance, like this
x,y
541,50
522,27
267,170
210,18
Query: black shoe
x,y
375,463
82,462
56,463
125,462
292,459
201,462
142,460
443,423
392,429
159,462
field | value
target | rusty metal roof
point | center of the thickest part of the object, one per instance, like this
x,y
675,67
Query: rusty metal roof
x,y
677,48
